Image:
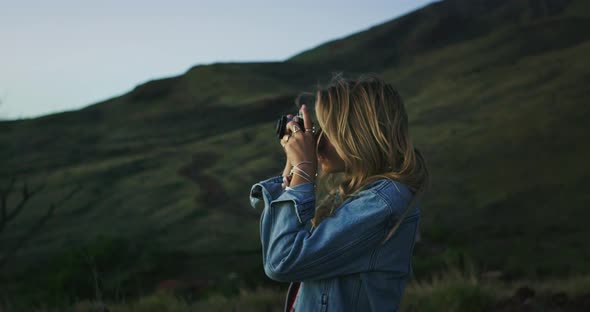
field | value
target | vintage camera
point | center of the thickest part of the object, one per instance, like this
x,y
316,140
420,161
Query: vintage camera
x,y
282,125
303,98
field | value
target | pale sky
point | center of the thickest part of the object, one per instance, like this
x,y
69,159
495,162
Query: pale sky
x,y
63,54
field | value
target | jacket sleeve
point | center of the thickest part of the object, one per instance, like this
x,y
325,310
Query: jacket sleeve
x,y
263,192
340,245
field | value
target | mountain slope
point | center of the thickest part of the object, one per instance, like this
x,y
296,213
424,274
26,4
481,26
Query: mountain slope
x,y
436,25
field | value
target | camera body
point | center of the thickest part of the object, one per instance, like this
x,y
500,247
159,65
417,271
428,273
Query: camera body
x,y
281,127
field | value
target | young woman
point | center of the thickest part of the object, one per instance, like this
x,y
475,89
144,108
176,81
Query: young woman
x,y
351,249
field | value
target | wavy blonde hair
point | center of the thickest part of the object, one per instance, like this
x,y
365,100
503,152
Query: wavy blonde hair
x,y
366,122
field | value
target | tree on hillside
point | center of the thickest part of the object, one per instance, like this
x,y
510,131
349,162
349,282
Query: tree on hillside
x,y
7,216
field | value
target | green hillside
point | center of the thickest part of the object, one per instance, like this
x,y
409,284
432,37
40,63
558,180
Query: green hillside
x,y
497,95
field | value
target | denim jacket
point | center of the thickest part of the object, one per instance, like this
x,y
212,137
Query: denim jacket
x,y
341,264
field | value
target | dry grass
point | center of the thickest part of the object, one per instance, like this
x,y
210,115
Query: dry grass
x,y
457,291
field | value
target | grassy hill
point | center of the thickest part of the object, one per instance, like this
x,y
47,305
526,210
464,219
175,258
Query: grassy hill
x,y
497,97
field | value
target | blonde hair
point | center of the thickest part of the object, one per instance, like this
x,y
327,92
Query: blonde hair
x,y
366,122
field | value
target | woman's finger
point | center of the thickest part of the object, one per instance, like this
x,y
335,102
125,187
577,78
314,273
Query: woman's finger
x,y
308,124
285,139
293,126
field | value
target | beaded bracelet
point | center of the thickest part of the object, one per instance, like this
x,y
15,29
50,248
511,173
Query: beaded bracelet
x,y
305,172
303,177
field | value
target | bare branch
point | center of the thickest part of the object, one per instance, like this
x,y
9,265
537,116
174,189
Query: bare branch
x,y
26,195
40,223
4,199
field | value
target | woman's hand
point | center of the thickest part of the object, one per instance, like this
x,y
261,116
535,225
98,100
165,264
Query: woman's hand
x,y
299,145
287,170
